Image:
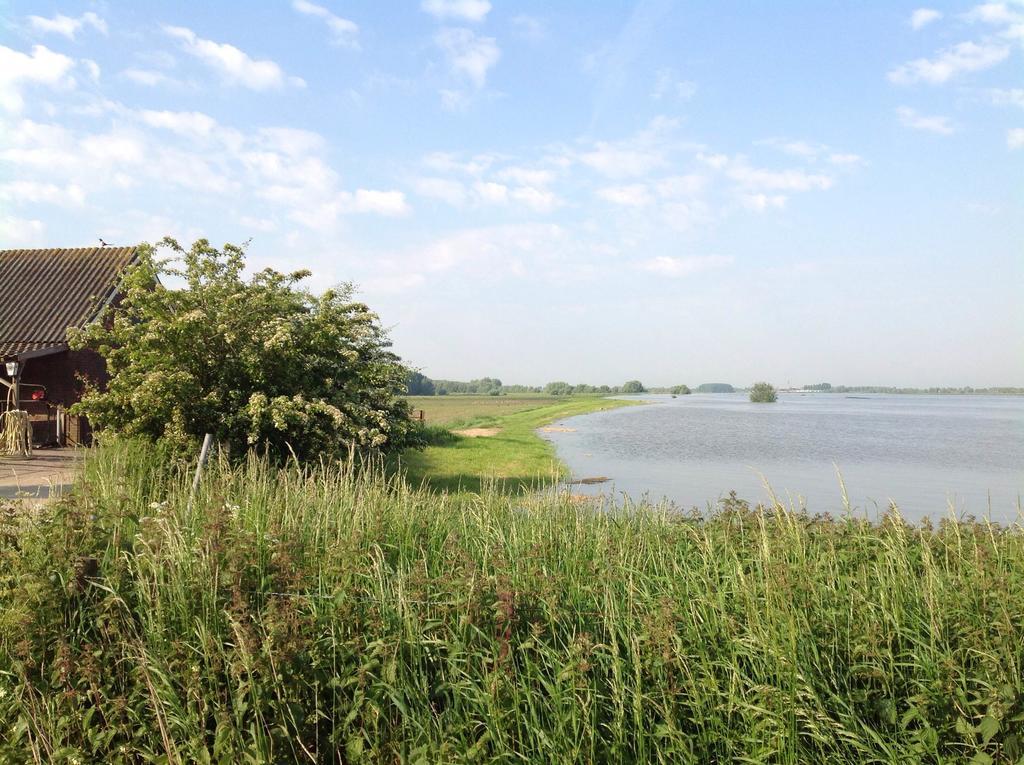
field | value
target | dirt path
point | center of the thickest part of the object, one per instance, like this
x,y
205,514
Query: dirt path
x,y
477,432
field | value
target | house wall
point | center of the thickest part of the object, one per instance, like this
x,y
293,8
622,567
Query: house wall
x,y
60,373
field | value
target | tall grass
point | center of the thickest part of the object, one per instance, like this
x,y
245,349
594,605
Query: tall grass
x,y
328,616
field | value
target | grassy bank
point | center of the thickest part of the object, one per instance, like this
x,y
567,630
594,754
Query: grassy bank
x,y
324,617
459,410
512,459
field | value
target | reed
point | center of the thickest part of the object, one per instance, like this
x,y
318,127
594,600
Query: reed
x,y
334,615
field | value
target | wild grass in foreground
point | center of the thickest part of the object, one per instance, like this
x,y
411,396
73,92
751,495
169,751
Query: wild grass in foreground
x,y
289,616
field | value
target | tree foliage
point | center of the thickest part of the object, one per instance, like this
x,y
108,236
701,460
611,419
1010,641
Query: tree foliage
x,y
715,388
762,393
418,384
558,388
259,362
633,386
680,390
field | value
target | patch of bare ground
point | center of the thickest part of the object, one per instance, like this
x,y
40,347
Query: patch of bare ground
x,y
557,429
477,432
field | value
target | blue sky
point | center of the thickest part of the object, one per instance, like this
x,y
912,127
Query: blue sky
x,y
679,192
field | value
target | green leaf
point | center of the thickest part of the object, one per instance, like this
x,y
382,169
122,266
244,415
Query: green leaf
x,y
988,727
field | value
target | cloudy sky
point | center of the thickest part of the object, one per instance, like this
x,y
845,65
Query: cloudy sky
x,y
674,191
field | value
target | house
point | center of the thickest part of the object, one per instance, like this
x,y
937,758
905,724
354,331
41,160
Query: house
x,y
42,294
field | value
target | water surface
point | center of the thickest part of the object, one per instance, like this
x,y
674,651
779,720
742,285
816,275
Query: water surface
x,y
928,454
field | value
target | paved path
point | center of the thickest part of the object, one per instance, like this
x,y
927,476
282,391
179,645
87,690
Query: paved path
x,y
47,472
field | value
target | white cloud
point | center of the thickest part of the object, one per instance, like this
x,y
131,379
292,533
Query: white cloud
x,y
931,124
148,77
15,230
446,162
493,251
762,202
35,192
529,28
454,100
949,63
617,161
924,16
632,195
686,266
775,180
389,203
464,10
811,152
526,176
184,123
234,66
92,68
845,158
1008,97
343,31
444,189
43,67
993,13
1015,138
538,200
469,55
666,85
67,26
681,185
491,193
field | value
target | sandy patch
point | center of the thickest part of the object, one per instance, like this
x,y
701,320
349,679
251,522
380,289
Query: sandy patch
x,y
557,429
477,432
595,479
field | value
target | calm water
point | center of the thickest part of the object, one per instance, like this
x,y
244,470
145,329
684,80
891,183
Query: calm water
x,y
925,453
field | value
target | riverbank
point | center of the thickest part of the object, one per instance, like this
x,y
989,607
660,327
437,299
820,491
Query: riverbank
x,y
511,456
325,616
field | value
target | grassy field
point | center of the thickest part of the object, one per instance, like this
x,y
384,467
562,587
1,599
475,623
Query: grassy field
x,y
511,460
326,617
457,411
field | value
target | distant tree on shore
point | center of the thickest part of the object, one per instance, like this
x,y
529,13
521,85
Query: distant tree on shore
x,y
762,393
715,388
558,388
633,386
680,390
819,386
418,384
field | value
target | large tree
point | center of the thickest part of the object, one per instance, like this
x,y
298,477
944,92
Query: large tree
x,y
195,346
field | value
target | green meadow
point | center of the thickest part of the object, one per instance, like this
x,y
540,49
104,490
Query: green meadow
x,y
330,615
511,457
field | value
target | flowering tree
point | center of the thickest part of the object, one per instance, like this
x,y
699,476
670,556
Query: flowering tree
x,y
259,362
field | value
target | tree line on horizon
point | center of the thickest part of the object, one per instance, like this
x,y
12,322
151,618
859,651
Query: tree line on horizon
x,y
418,384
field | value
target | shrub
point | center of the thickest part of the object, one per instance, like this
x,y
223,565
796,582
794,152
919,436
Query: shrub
x,y
762,393
257,362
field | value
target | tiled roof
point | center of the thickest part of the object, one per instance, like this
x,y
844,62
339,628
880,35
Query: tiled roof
x,y
43,292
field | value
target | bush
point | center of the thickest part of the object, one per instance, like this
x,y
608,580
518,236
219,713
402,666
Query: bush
x,y
762,393
680,390
558,389
259,362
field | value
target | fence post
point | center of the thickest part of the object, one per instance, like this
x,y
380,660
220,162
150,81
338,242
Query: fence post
x,y
204,453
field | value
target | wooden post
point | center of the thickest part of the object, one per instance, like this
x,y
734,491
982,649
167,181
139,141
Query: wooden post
x,y
17,387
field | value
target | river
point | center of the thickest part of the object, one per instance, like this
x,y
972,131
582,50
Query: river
x,y
930,455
